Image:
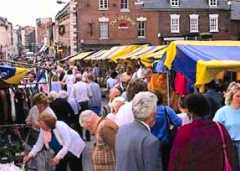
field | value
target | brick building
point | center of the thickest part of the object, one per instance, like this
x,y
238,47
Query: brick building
x,y
188,19
28,38
235,19
114,22
6,38
62,32
44,32
66,30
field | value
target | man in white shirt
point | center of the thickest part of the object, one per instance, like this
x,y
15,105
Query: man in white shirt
x,y
125,114
82,93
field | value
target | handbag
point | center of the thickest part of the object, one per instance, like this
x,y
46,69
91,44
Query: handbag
x,y
227,165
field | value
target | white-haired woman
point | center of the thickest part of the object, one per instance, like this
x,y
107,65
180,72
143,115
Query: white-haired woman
x,y
105,130
115,106
229,116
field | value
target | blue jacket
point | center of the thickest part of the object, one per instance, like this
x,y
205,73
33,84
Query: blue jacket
x,y
160,129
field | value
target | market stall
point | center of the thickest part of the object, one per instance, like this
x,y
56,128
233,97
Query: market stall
x,y
200,61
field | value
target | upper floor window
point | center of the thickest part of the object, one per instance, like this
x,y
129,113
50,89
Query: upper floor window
x,y
213,23
193,23
104,28
103,4
124,4
141,27
212,3
175,3
175,23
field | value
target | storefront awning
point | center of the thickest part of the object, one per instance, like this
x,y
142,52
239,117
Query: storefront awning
x,y
95,55
147,51
123,52
80,56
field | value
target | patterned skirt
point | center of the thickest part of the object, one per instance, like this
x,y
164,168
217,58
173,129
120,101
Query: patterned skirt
x,y
103,159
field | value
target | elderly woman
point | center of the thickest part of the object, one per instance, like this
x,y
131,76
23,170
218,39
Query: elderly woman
x,y
105,130
64,141
229,116
41,104
115,106
202,145
136,148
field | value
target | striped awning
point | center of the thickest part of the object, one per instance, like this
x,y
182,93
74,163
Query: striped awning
x,y
146,51
123,52
12,75
80,56
109,53
95,55
154,54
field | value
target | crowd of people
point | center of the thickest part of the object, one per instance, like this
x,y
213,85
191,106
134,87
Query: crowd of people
x,y
134,129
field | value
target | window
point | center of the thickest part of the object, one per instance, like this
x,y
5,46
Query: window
x,y
103,4
175,23
174,3
213,22
124,4
193,23
212,3
103,30
141,29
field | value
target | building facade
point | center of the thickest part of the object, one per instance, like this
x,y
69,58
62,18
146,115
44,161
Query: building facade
x,y
6,38
104,23
28,38
44,32
192,20
62,32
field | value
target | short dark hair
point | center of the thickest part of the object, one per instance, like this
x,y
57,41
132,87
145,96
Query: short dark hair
x,y
114,74
69,72
197,105
134,87
182,102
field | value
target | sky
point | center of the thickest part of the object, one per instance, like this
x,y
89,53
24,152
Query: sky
x,y
25,12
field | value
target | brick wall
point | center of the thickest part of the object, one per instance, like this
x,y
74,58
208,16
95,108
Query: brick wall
x,y
89,13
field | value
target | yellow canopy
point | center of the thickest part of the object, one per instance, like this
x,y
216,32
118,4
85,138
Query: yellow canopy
x,y
108,53
18,76
135,52
124,51
80,56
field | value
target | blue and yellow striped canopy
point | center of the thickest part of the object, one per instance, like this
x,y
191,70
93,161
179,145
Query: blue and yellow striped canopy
x,y
12,75
200,61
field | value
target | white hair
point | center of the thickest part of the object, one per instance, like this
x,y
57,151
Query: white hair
x,y
85,115
118,99
53,95
143,104
63,94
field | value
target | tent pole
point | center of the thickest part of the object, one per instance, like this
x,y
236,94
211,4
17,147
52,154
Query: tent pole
x,y
168,87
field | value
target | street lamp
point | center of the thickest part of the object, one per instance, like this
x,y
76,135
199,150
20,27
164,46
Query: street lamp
x,y
229,2
61,2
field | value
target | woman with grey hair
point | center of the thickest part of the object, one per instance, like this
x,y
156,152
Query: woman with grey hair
x,y
104,130
229,116
134,142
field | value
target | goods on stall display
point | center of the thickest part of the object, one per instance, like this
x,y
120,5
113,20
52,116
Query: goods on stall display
x,y
9,167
